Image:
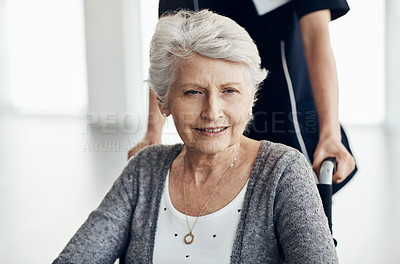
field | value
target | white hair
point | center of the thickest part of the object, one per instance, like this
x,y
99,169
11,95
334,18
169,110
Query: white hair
x,y
184,33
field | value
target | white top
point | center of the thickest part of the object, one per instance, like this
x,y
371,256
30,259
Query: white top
x,y
266,6
214,233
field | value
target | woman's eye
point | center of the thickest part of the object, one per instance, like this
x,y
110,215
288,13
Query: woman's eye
x,y
229,91
191,92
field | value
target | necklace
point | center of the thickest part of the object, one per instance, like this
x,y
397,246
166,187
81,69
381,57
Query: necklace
x,y
189,237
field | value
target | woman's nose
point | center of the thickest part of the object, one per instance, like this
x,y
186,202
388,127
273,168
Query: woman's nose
x,y
212,108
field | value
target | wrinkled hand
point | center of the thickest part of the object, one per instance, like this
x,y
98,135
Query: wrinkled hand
x,y
147,141
334,148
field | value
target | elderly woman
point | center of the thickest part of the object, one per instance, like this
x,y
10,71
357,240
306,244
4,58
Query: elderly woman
x,y
219,197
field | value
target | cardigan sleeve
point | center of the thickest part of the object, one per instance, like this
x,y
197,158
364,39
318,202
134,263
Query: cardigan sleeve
x,y
105,234
301,225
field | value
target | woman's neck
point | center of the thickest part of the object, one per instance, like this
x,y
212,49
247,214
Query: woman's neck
x,y
200,167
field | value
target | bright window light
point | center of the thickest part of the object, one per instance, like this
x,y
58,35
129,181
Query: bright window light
x,y
149,18
47,63
359,46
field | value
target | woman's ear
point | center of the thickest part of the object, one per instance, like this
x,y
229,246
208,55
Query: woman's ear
x,y
164,111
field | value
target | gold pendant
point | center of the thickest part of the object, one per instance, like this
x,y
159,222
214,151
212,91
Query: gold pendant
x,y
189,238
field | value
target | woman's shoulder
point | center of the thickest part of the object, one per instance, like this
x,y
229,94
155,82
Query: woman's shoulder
x,y
274,160
284,160
152,162
277,151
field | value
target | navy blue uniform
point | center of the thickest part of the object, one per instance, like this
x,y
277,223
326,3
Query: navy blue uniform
x,y
285,111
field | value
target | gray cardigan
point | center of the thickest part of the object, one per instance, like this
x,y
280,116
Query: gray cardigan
x,y
282,219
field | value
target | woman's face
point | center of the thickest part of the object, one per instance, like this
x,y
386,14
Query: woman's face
x,y
210,102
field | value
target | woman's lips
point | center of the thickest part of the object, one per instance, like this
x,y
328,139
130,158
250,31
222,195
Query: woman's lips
x,y
211,131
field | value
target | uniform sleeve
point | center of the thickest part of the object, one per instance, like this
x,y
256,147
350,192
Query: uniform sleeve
x,y
338,7
105,235
301,225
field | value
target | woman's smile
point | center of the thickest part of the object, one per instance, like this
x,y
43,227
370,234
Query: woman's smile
x,y
212,131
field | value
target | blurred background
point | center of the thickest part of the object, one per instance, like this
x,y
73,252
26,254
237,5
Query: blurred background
x,y
73,102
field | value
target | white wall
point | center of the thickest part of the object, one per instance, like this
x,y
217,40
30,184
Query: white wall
x,y
393,64
42,56
114,46
133,48
358,40
105,55
4,73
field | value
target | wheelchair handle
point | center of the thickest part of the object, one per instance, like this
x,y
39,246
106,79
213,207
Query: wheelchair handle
x,y
327,169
